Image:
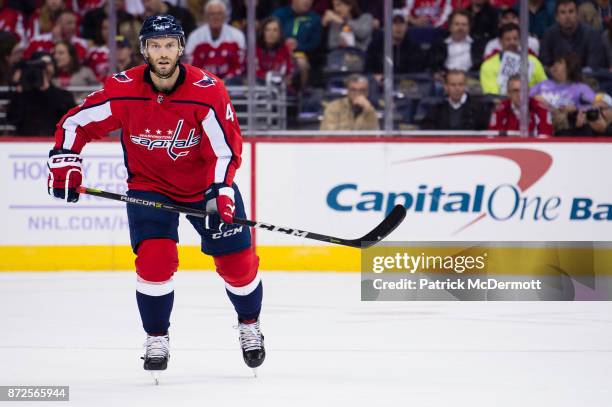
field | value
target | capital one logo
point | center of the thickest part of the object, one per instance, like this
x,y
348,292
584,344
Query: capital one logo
x,y
501,202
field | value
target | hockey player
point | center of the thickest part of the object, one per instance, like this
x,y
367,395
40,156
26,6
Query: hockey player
x,y
181,143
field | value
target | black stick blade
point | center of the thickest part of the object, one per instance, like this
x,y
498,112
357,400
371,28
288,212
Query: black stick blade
x,y
384,228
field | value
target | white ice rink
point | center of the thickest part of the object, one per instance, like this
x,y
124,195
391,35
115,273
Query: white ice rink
x,y
325,347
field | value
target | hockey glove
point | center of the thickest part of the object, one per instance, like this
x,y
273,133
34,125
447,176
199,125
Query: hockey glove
x,y
64,174
219,205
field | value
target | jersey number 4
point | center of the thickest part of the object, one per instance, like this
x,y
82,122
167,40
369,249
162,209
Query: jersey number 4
x,y
229,113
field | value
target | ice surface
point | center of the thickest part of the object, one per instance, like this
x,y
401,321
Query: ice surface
x,y
325,347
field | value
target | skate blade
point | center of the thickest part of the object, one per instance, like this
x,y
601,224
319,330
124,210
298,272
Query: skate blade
x,y
156,375
255,372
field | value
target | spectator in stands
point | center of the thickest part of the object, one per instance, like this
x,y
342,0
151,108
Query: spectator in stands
x,y
598,119
459,111
130,30
353,112
153,7
24,6
94,19
229,4
457,51
98,57
593,121
606,41
595,13
274,59
82,7
9,56
496,69
506,116
407,55
564,94
510,16
37,105
43,18
503,4
301,25
134,7
321,6
47,58
484,24
376,10
541,17
65,29
569,35
217,46
262,10
347,27
69,72
126,59
302,28
12,20
428,13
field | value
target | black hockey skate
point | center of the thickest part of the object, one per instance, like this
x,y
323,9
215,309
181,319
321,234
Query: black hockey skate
x,y
252,344
157,353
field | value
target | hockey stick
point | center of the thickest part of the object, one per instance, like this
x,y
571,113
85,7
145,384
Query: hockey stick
x,y
382,230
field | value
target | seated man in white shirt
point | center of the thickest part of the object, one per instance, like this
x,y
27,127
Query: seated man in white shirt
x,y
457,50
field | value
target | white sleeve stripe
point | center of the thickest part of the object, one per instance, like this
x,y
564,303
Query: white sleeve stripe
x,y
82,118
219,144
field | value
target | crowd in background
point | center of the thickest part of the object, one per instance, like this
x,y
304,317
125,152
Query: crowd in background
x,y
455,61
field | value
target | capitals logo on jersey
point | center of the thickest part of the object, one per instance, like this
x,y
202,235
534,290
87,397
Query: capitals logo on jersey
x,y
152,139
205,82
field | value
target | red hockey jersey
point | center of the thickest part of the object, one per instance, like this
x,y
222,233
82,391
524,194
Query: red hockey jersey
x,y
277,60
223,56
46,42
83,6
436,11
175,143
33,28
506,118
12,20
98,61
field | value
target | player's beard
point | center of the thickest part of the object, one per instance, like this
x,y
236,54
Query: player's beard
x,y
160,74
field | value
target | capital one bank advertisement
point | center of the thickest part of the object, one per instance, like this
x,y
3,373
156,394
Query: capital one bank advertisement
x,y
452,191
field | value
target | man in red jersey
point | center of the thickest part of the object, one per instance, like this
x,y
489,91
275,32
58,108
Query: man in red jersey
x,y
66,28
182,144
506,116
217,46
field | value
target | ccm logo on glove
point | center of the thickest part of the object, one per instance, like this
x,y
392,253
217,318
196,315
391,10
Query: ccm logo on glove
x,y
64,174
67,159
